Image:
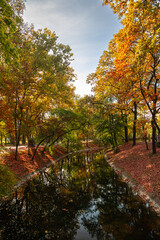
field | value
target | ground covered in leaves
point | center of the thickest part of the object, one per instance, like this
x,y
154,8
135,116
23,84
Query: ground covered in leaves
x,y
140,165
24,165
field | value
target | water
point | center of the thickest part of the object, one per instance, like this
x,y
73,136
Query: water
x,y
80,198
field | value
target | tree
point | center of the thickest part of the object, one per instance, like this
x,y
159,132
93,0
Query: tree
x,y
60,123
141,25
85,107
41,82
114,80
109,127
10,18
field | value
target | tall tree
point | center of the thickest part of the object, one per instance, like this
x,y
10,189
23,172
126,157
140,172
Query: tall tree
x,y
41,82
141,24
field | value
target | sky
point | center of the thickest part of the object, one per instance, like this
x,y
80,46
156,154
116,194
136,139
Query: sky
x,y
85,25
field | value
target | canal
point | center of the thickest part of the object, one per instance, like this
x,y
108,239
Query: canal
x,y
80,198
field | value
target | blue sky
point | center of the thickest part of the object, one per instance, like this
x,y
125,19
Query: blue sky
x,y
85,25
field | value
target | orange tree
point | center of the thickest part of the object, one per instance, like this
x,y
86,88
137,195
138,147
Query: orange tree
x,y
141,25
116,81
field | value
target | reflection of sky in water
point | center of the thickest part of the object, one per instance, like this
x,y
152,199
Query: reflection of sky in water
x,y
82,234
90,213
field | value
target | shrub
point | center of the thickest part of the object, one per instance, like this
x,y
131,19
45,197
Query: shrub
x,y
158,144
7,181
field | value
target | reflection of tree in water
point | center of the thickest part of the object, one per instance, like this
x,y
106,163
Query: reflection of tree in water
x,y
77,188
48,208
119,214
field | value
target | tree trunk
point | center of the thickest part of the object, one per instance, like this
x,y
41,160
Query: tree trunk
x,y
125,122
134,124
23,139
115,140
29,140
153,134
126,130
16,153
1,140
116,149
145,137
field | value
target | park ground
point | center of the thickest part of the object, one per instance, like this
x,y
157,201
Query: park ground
x,y
140,169
135,164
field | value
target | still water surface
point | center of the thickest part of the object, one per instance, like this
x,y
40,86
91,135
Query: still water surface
x,y
81,198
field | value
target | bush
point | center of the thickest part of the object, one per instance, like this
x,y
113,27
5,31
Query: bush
x,y
7,181
158,144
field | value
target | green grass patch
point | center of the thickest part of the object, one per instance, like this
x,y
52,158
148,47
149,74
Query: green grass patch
x,y
7,181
